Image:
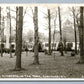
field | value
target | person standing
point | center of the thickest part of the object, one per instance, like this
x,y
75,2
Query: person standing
x,y
60,45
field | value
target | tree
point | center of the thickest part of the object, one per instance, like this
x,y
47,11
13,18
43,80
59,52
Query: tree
x,y
75,14
49,16
54,36
60,24
10,34
1,33
17,19
60,43
19,27
9,26
65,46
35,21
81,35
74,18
49,22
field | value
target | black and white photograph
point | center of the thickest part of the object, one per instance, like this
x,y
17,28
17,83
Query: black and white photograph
x,y
41,41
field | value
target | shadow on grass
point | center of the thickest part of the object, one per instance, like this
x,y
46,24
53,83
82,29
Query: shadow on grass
x,y
80,62
33,64
22,69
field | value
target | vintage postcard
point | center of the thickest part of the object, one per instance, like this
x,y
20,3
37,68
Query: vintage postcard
x,y
42,42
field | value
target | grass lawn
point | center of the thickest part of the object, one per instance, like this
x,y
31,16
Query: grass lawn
x,y
60,67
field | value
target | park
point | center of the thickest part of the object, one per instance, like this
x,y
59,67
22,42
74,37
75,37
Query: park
x,y
45,41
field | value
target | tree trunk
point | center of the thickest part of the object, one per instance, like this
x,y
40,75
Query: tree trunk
x,y
54,38
81,35
49,22
75,38
10,35
65,46
60,24
1,34
19,27
35,20
17,19
75,30
61,46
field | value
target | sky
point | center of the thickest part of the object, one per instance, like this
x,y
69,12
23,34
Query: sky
x,y
43,20
42,16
